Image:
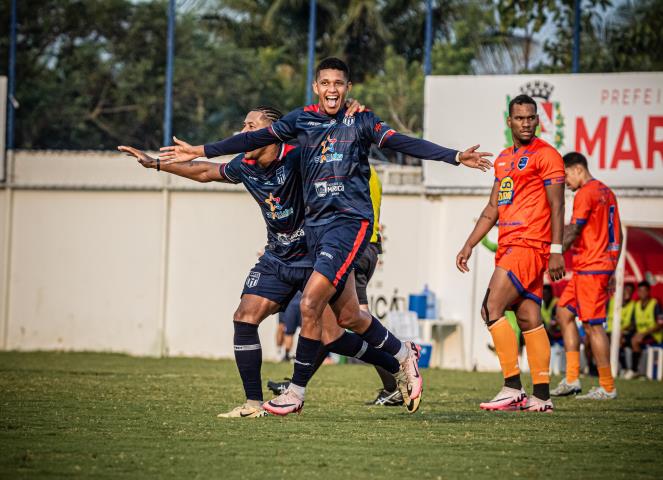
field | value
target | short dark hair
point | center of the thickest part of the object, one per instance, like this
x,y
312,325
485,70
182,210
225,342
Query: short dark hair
x,y
575,158
630,284
521,100
333,63
271,113
644,283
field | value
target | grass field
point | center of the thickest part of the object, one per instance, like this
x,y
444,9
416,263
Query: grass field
x,y
102,415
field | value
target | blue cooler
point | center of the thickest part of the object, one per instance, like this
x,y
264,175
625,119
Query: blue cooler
x,y
417,304
426,350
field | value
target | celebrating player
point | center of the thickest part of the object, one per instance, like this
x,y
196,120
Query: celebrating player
x,y
271,175
528,200
595,235
335,172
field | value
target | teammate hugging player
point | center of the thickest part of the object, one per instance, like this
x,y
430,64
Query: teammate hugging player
x,y
335,173
528,200
595,235
271,175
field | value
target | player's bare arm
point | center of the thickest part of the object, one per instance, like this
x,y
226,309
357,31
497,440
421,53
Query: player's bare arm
x,y
486,221
194,170
571,232
555,196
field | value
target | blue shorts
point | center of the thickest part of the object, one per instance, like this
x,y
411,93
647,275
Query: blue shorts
x,y
336,247
291,317
275,281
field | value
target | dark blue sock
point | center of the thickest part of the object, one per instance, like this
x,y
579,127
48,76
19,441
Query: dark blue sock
x,y
352,345
248,356
307,350
382,339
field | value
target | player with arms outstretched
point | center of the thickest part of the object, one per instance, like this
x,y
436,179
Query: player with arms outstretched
x,y
528,200
339,213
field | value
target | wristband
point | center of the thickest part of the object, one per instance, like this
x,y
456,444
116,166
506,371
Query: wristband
x,y
158,164
555,248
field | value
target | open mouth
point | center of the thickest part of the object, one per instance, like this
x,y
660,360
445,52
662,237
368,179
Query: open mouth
x,y
332,100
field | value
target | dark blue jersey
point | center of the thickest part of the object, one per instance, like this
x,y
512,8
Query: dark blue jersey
x,y
335,168
278,191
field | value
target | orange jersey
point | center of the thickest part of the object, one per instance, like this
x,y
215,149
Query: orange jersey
x,y
597,247
522,175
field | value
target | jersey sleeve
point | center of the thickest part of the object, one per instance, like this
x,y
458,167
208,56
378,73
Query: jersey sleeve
x,y
286,127
231,171
582,207
550,166
374,130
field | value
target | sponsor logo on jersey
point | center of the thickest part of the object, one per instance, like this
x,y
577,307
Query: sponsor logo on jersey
x,y
522,162
505,194
322,189
252,279
313,124
276,210
289,238
328,255
328,153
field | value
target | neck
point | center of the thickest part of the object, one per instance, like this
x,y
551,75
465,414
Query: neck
x,y
517,143
266,155
585,177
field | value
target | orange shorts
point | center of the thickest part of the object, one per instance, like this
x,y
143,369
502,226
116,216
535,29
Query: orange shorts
x,y
525,266
586,296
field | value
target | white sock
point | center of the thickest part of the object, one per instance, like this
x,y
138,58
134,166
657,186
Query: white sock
x,y
297,390
402,354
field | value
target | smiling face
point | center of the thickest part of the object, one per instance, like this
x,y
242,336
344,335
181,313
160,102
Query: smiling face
x,y
332,88
523,121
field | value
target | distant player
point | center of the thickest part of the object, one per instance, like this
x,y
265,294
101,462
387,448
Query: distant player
x,y
528,200
627,324
648,317
549,314
271,175
339,213
594,235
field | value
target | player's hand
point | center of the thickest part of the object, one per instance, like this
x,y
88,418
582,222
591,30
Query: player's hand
x,y
473,159
143,158
556,266
462,258
178,153
353,106
612,285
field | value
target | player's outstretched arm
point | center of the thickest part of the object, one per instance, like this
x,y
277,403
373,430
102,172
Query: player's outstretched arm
x,y
198,171
555,196
424,149
486,221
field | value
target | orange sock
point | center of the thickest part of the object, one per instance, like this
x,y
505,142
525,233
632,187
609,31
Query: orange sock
x,y
506,346
606,379
572,366
538,354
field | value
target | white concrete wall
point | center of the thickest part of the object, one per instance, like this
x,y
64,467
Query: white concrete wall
x,y
107,256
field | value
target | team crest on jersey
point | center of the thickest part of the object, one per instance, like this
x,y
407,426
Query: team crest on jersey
x,y
252,279
522,162
551,120
328,151
505,194
349,121
280,175
276,210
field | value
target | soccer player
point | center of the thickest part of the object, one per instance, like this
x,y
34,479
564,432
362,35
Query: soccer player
x,y
528,200
595,235
648,316
271,175
335,173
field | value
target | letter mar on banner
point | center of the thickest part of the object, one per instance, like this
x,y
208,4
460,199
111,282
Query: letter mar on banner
x,y
615,119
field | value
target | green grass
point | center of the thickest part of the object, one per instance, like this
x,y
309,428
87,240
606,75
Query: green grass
x,y
102,415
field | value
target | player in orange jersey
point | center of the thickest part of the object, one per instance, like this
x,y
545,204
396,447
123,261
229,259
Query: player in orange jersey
x,y
528,200
595,235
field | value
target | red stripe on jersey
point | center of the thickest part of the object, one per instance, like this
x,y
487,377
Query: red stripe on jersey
x,y
312,108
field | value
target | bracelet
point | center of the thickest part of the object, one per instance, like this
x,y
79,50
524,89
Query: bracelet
x,y
158,164
556,248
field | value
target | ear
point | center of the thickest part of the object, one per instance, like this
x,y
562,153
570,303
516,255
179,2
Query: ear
x,y
508,121
349,86
315,87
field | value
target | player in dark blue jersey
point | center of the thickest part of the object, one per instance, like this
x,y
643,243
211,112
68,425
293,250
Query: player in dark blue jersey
x,y
339,213
271,175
